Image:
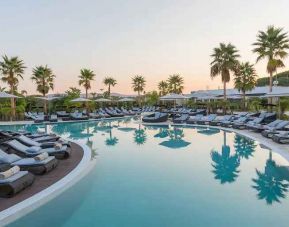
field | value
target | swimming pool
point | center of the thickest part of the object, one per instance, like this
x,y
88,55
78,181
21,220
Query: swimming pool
x,y
168,176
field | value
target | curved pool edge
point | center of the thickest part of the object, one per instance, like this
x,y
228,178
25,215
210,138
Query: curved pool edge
x,y
28,205
12,123
264,142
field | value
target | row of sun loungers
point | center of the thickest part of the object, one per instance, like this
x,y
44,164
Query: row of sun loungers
x,y
76,115
23,155
264,122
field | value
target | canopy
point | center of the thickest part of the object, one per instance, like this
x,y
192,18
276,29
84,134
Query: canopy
x,y
6,95
80,100
126,100
173,96
209,97
47,98
103,100
276,94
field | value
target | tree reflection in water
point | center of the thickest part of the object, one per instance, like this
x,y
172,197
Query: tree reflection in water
x,y
175,141
140,136
225,165
112,140
244,147
272,184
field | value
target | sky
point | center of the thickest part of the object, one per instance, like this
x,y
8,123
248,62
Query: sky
x,y
123,38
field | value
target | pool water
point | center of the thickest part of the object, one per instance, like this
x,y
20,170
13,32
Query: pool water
x,y
168,176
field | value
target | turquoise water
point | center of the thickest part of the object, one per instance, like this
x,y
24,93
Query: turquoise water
x,y
168,176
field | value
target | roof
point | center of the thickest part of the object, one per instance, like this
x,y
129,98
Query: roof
x,y
257,91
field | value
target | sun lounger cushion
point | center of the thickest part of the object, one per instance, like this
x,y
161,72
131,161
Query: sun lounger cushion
x,y
9,158
14,177
32,161
27,140
33,149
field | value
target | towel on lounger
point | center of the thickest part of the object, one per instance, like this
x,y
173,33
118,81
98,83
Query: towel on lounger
x,y
57,146
41,157
9,173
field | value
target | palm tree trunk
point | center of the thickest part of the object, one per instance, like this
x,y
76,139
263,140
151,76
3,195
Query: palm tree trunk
x,y
12,104
86,103
244,100
109,90
225,90
139,101
12,109
270,100
271,82
225,97
45,104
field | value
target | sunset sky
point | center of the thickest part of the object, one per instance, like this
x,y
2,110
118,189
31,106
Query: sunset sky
x,y
122,38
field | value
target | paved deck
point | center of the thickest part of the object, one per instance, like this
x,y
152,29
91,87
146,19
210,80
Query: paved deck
x,y
43,181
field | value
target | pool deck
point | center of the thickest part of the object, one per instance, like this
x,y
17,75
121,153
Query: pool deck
x,y
50,185
44,181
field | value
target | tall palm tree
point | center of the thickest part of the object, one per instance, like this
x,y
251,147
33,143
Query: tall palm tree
x,y
245,79
12,69
85,78
110,82
138,84
176,84
163,87
272,44
44,79
224,62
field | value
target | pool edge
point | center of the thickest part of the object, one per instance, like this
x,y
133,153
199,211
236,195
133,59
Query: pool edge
x,y
28,205
277,148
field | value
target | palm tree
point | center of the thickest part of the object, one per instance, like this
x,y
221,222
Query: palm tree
x,y
163,87
138,85
44,79
175,84
245,79
110,82
272,44
85,78
12,69
224,62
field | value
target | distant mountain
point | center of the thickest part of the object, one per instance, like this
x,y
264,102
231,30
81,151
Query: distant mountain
x,y
283,79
